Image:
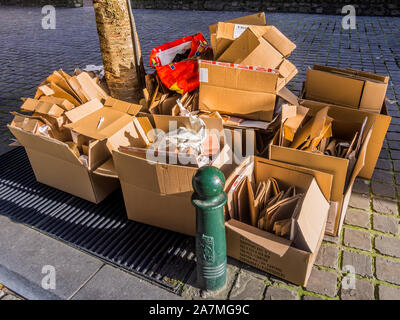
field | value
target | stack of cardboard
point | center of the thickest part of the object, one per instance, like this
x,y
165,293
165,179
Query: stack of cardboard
x,y
68,134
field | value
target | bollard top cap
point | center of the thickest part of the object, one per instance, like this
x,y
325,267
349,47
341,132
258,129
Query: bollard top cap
x,y
208,182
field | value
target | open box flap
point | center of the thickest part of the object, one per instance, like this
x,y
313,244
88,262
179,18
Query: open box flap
x,y
288,96
45,145
279,41
90,88
361,158
123,106
254,19
311,222
83,110
101,124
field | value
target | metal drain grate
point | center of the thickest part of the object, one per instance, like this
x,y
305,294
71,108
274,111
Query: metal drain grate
x,y
103,230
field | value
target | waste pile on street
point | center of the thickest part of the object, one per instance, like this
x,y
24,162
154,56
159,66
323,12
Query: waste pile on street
x,y
289,162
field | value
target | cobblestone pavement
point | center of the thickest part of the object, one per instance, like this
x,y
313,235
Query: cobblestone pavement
x,y
370,240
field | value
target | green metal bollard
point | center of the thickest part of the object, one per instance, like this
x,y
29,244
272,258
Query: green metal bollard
x,y
209,199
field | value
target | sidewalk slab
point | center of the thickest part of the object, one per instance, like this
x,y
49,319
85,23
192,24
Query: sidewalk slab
x,y
114,284
23,254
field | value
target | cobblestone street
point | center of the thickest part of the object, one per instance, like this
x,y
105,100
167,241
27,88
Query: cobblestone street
x,y
370,240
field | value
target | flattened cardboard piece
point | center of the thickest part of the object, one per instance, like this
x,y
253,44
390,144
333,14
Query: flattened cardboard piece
x,y
61,93
292,124
25,123
381,125
101,124
59,80
143,126
75,85
46,90
123,106
42,107
83,110
267,251
62,103
90,88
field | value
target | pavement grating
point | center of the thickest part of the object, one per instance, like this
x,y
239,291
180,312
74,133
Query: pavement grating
x,y
103,230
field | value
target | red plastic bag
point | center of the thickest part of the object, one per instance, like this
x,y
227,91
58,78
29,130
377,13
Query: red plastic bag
x,y
176,75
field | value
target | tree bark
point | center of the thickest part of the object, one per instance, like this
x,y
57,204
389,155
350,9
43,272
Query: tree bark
x,y
121,67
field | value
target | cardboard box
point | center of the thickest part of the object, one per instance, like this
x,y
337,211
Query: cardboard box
x,y
271,253
338,167
55,163
157,193
346,87
240,90
263,46
381,124
239,25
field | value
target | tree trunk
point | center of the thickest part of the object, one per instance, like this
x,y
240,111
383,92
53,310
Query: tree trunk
x,y
121,65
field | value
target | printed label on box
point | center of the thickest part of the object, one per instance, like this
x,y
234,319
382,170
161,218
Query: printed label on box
x,y
239,29
203,75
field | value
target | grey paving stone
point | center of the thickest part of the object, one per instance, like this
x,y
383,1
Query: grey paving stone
x,y
357,218
385,206
327,257
388,270
383,189
395,154
279,293
364,290
388,246
114,284
396,165
357,239
383,164
385,224
23,254
361,186
388,293
247,287
382,176
362,263
360,201
322,282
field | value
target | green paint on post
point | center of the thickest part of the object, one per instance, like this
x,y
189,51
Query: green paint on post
x,y
209,199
